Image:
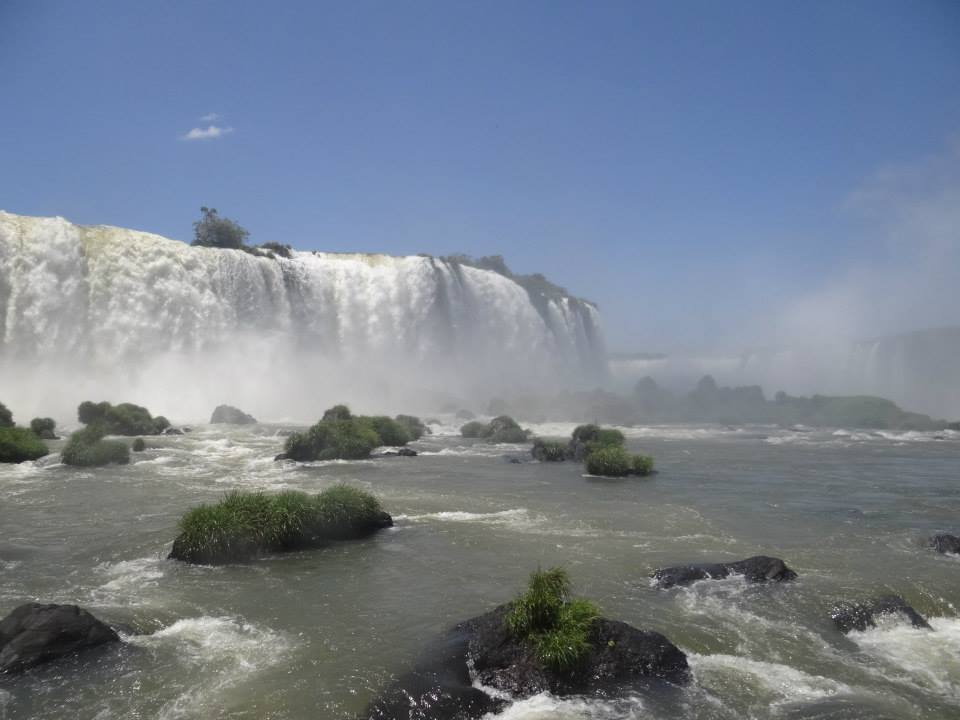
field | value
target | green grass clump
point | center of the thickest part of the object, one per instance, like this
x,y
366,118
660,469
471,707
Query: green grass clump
x,y
642,464
243,524
549,450
388,430
558,626
139,445
414,426
611,461
19,445
87,448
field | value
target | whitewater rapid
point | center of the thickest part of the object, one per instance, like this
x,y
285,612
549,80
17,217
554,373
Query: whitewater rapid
x,y
120,309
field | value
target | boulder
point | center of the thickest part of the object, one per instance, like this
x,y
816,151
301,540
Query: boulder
x,y
944,543
33,634
623,660
860,616
406,452
229,415
759,568
173,431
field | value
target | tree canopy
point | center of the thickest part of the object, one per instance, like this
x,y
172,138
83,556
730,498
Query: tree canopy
x,y
215,231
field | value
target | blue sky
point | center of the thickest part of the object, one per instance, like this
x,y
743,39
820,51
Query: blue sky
x,y
693,167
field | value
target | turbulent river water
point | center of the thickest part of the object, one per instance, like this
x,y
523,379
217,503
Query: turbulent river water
x,y
317,634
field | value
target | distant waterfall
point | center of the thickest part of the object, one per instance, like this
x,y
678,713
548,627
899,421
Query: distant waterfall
x,y
120,306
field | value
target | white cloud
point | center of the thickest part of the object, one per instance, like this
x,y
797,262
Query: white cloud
x,y
211,132
210,117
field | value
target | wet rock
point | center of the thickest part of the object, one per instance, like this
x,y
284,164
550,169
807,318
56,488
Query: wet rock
x,y
848,616
229,415
281,456
406,452
173,431
623,659
944,543
759,568
33,634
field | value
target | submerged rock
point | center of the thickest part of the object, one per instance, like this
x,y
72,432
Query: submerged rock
x,y
947,544
848,616
759,568
33,634
622,659
229,415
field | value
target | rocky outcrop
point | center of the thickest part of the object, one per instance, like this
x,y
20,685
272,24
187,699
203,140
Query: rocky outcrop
x,y
623,659
947,544
229,415
759,568
848,616
33,634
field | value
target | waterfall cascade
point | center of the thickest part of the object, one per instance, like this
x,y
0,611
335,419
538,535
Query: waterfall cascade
x,y
152,316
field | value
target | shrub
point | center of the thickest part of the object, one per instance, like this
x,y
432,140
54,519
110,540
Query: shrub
x,y
549,451
337,412
139,445
19,445
414,426
122,419
6,417
473,429
44,428
389,431
87,448
642,464
611,461
502,429
214,231
558,627
243,525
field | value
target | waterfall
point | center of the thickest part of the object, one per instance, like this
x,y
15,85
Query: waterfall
x,y
87,308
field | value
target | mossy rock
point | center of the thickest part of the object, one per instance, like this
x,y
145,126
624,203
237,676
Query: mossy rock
x,y
614,461
342,435
502,429
122,419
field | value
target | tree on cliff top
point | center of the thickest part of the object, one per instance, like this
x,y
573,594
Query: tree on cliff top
x,y
215,231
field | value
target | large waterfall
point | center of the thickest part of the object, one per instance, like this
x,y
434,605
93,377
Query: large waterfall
x,y
107,313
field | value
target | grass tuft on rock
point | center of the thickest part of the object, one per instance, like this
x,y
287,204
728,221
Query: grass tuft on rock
x,y
18,445
244,525
87,448
343,435
502,429
122,419
557,625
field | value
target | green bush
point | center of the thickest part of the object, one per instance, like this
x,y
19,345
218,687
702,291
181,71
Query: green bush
x,y
19,445
243,525
122,419
473,429
215,231
558,627
6,417
502,429
44,428
337,412
87,448
389,431
642,464
611,461
549,451
139,445
414,426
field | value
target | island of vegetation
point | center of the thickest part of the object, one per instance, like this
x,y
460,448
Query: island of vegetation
x,y
122,419
18,444
245,525
502,429
600,449
342,435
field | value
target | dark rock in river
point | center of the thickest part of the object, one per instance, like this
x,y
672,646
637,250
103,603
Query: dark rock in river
x,y
33,634
281,456
860,616
623,659
406,452
173,431
229,415
759,568
944,543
